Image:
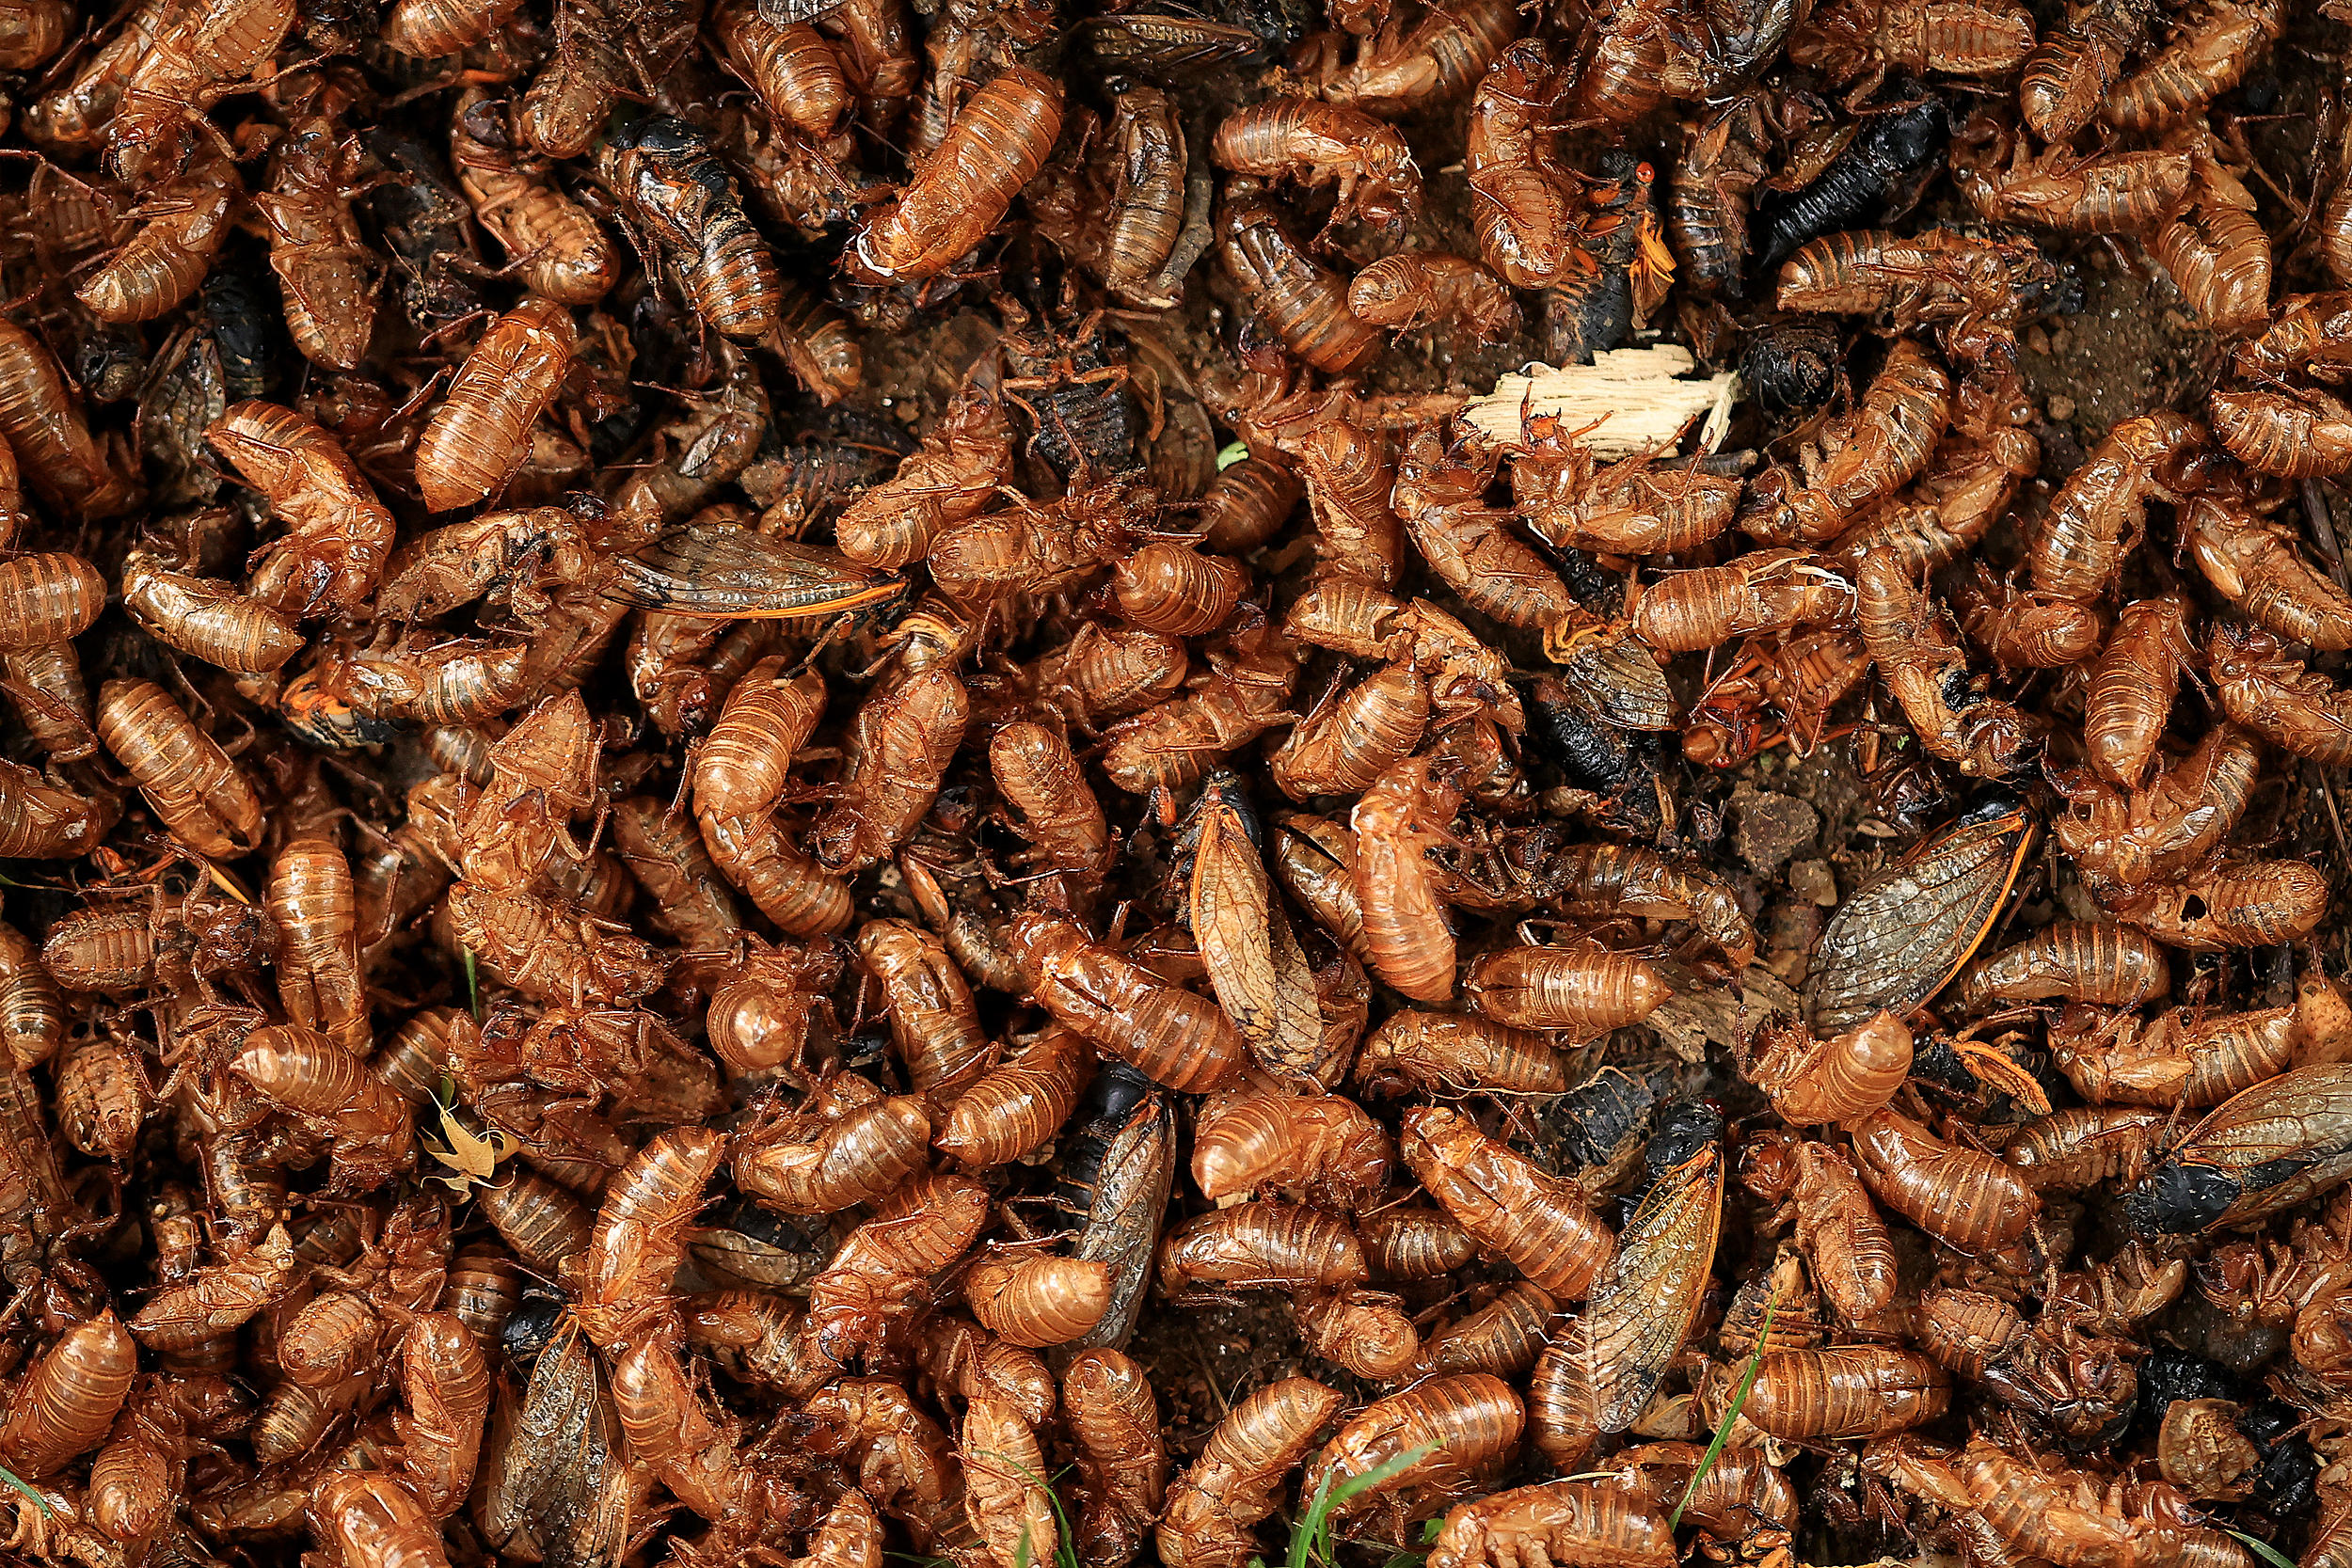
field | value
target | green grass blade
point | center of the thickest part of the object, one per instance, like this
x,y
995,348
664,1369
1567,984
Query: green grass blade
x,y
1722,1428
1303,1532
1312,1537
39,1501
1430,1529
1355,1487
1065,1544
2263,1549
473,986
1065,1548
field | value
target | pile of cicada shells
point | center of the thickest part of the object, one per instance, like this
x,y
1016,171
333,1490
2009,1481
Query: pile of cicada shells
x,y
687,871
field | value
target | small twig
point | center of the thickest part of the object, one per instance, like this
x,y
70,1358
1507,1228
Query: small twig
x,y
2324,530
2335,818
1208,1371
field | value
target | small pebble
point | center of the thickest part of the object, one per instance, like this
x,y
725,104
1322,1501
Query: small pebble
x,y
1771,828
1815,881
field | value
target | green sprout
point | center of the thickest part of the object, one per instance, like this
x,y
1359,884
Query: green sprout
x,y
1231,455
1065,1548
1312,1538
1722,1428
473,987
1430,1529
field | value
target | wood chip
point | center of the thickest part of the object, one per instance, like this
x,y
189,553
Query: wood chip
x,y
1637,400
1699,1014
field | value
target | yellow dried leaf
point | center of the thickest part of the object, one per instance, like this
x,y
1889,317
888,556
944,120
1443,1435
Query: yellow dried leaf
x,y
477,1156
